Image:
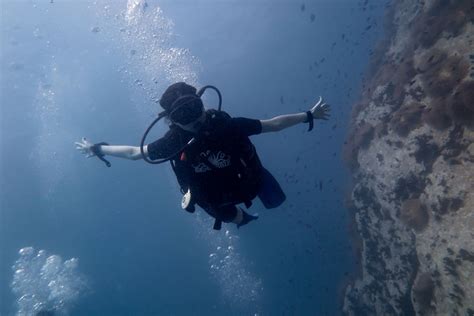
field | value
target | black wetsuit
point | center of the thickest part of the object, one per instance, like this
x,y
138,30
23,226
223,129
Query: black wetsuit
x,y
212,162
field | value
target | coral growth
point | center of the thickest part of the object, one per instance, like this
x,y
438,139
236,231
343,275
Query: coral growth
x,y
443,73
395,75
404,71
414,214
437,115
462,109
411,186
381,130
427,151
466,255
423,292
430,58
444,17
407,118
448,205
360,137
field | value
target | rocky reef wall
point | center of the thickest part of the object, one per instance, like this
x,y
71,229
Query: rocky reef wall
x,y
411,153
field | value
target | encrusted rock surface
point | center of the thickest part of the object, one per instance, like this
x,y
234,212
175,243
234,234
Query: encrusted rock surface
x,y
411,153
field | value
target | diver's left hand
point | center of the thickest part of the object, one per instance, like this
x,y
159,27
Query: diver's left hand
x,y
320,110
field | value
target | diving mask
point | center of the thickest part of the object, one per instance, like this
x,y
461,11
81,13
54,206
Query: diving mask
x,y
187,109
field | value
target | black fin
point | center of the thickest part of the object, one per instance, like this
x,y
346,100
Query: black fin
x,y
270,192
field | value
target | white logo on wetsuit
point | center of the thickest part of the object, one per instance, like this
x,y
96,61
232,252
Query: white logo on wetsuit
x,y
201,167
218,160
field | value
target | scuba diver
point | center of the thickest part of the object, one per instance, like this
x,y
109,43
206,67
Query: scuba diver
x,y
216,164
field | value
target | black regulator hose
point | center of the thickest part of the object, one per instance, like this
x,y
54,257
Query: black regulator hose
x,y
162,115
203,89
142,142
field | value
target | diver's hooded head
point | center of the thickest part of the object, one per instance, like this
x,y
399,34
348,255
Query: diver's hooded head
x,y
173,92
183,106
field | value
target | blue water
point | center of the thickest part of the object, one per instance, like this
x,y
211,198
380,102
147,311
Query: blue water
x,y
94,68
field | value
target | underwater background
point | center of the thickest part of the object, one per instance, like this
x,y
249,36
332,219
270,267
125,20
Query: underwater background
x,y
82,239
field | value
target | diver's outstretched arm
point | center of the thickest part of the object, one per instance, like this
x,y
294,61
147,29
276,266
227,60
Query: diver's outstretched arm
x,y
126,152
319,111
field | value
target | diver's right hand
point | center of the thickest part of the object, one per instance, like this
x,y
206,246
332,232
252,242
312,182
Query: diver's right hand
x,y
85,147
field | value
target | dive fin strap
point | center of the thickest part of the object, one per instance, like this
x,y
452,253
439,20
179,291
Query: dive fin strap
x,y
217,224
309,120
96,151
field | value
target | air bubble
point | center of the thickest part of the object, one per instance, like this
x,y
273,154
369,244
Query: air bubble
x,y
43,282
27,251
